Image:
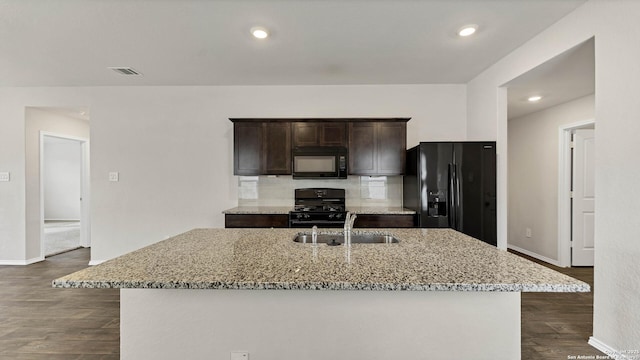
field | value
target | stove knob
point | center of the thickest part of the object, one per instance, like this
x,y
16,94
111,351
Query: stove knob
x,y
298,216
338,216
306,216
331,216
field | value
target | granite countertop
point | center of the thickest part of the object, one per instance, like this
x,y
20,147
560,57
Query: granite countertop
x,y
259,210
423,260
382,210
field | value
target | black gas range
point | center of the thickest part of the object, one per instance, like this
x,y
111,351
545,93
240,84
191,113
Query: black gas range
x,y
322,207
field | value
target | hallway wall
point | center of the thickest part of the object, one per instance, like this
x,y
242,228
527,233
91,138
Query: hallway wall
x,y
533,174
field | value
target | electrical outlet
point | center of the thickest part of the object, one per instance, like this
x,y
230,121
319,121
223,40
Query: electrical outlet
x,y
239,355
114,176
527,232
5,176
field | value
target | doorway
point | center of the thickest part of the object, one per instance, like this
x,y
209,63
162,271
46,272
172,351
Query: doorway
x,y
64,183
557,94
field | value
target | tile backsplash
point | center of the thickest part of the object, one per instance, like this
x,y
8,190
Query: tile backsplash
x,y
360,190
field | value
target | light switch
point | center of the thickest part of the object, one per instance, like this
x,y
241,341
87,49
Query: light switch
x,y
239,355
5,176
113,176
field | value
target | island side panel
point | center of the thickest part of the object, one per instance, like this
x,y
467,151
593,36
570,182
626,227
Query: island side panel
x,y
293,325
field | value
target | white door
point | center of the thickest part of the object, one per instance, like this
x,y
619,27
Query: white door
x,y
583,214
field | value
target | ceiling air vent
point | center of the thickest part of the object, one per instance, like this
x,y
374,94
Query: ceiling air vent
x,y
126,71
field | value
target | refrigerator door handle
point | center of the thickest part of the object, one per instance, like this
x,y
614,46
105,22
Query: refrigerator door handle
x,y
457,197
451,213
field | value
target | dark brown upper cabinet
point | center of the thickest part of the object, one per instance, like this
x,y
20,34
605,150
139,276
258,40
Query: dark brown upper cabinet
x,y
377,147
362,148
277,148
247,148
261,148
315,133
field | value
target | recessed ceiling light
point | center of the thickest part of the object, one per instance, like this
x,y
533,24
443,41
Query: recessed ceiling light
x,y
259,32
534,98
467,30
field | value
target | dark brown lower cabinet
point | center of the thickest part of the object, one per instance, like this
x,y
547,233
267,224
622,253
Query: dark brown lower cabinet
x,y
385,221
256,220
282,221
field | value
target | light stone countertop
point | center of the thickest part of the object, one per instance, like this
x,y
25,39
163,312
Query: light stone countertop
x,y
259,210
423,260
378,210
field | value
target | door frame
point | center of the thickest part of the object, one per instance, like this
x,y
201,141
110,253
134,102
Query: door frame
x,y
85,204
564,189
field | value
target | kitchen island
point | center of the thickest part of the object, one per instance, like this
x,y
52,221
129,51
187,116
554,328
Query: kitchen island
x,y
436,294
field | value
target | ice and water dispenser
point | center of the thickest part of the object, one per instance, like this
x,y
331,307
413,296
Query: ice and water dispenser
x,y
437,203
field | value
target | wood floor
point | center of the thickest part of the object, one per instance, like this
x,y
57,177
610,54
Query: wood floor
x,y
557,325
39,322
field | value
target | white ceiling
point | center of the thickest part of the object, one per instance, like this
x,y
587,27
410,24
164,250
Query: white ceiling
x,y
314,42
566,77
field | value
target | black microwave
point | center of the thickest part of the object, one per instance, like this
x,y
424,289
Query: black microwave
x,y
326,162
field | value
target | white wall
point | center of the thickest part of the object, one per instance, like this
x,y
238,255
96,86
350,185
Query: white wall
x,y
12,202
173,148
61,178
614,24
533,174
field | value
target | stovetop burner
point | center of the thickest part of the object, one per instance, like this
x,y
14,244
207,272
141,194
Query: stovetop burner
x,y
319,208
323,207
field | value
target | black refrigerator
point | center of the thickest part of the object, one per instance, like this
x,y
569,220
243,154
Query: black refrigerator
x,y
453,185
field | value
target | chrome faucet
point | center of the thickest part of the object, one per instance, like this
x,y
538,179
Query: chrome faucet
x,y
314,235
348,225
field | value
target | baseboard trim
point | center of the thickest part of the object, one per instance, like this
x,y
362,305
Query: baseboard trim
x,y
534,255
96,262
608,350
22,262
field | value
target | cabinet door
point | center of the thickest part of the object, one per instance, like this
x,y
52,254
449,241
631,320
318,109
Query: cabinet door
x,y
305,134
256,221
333,134
277,148
247,148
377,148
362,148
391,147
385,221
315,133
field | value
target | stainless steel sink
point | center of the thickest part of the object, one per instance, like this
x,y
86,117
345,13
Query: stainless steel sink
x,y
338,239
